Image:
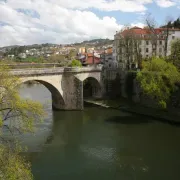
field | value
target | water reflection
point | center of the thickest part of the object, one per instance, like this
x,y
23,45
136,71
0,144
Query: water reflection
x,y
101,144
127,120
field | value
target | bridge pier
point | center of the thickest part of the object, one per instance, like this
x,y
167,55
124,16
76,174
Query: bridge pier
x,y
72,92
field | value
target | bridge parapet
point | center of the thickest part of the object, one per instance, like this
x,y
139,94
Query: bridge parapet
x,y
52,71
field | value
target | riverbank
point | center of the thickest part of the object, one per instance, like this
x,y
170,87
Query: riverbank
x,y
130,107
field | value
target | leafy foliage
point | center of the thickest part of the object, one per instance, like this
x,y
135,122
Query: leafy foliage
x,y
175,53
158,79
21,113
13,166
17,115
75,63
175,24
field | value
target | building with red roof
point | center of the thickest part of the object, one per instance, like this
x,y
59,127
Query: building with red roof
x,y
89,59
133,44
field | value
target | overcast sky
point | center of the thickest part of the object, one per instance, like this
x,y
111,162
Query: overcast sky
x,y
25,22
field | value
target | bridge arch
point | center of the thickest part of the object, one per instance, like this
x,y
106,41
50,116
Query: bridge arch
x,y
91,88
57,99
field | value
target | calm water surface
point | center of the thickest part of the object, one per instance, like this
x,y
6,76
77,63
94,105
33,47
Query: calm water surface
x,y
100,144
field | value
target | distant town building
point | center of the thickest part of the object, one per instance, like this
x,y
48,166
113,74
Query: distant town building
x,y
22,55
89,59
90,50
82,50
11,56
108,59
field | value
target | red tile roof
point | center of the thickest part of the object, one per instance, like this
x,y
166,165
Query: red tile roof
x,y
145,31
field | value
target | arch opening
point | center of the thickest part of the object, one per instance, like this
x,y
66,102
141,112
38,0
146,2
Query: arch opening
x,y
57,99
91,88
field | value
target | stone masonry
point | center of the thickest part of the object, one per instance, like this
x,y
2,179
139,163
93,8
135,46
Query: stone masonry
x,y
65,84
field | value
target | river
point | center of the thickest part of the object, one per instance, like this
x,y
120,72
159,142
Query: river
x,y
100,144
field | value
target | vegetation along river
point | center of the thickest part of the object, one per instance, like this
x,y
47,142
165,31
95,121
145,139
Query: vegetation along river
x,y
100,144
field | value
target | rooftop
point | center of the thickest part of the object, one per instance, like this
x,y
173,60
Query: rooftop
x,y
145,31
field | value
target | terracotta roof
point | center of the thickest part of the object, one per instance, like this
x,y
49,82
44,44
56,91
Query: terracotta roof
x,y
90,60
145,31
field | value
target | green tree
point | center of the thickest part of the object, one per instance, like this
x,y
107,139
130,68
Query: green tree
x,y
17,115
158,79
175,53
75,63
13,166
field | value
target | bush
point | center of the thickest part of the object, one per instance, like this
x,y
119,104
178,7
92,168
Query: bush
x,y
75,63
158,79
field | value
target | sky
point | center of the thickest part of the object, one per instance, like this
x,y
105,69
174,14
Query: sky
x,y
24,22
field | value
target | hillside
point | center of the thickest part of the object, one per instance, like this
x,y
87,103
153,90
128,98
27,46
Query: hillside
x,y
95,42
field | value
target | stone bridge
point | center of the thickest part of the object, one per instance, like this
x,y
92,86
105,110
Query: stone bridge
x,y
67,85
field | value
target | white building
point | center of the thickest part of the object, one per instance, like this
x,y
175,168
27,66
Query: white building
x,y
173,35
82,50
22,55
11,56
133,44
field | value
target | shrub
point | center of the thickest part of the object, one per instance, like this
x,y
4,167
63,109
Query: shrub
x,y
158,79
75,63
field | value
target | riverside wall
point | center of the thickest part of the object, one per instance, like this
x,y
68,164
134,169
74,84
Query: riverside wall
x,y
118,83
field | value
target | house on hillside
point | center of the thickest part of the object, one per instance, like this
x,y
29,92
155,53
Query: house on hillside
x,y
22,55
88,59
11,56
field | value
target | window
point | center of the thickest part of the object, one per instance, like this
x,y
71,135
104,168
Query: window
x,y
173,37
147,56
147,50
160,50
147,42
160,42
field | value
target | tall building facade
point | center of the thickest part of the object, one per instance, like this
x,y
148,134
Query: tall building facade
x,y
134,44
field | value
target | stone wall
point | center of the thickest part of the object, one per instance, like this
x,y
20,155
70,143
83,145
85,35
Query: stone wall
x,y
113,82
115,85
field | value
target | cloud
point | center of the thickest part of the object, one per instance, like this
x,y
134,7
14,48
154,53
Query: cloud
x,y
64,21
166,3
55,25
105,5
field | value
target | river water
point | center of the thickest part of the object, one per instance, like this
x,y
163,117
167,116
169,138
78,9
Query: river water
x,y
100,144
